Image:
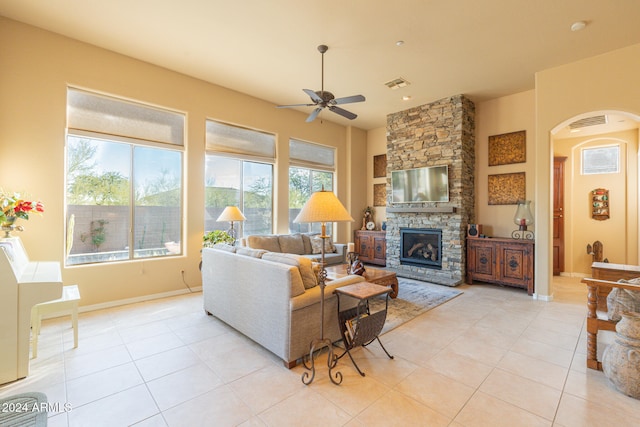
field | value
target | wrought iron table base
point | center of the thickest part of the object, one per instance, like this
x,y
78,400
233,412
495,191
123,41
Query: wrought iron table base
x,y
369,327
332,360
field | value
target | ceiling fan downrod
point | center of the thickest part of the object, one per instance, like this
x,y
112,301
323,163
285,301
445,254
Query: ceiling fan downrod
x,y
322,49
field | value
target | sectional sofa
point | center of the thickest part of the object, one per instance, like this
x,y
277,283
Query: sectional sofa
x,y
270,297
308,245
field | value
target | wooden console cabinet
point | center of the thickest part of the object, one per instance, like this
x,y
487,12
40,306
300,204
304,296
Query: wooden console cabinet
x,y
503,261
371,246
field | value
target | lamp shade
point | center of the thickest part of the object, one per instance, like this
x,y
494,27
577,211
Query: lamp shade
x,y
231,213
323,206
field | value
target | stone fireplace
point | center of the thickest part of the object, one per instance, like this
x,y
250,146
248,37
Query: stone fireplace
x,y
440,133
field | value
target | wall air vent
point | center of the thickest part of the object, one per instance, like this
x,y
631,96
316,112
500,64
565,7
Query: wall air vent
x,y
589,121
397,83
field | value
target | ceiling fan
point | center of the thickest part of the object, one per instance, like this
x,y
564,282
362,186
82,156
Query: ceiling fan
x,y
323,99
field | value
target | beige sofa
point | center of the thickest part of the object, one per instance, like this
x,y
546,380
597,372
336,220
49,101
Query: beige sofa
x,y
308,245
271,298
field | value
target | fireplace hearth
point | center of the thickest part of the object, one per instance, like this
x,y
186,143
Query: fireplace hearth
x,y
421,247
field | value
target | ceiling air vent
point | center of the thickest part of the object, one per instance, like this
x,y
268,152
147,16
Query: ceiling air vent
x,y
397,83
589,121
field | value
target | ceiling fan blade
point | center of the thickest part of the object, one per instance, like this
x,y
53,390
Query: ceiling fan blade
x,y
348,99
295,105
313,114
344,113
314,96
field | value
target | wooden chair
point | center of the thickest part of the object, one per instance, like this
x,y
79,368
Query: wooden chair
x,y
605,277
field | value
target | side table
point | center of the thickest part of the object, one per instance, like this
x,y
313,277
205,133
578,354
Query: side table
x,y
358,325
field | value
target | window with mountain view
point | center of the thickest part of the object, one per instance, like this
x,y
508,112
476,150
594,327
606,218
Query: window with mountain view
x,y
123,180
311,169
239,172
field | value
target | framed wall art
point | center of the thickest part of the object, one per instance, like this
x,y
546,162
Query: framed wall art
x,y
507,188
508,148
380,166
379,194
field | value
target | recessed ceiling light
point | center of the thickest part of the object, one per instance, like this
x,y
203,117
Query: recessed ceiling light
x,y
399,42
578,25
406,98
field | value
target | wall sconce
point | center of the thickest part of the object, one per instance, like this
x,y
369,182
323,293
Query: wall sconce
x,y
523,218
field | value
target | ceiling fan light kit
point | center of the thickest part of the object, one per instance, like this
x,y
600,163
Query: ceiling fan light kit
x,y
322,99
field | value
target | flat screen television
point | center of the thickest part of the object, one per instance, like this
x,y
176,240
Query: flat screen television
x,y
429,184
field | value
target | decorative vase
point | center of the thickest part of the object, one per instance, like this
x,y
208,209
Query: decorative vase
x,y
621,359
8,225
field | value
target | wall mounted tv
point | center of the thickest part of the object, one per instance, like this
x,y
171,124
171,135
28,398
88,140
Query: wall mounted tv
x,y
429,184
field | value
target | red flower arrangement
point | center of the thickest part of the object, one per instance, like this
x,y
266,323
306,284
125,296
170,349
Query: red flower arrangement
x,y
12,206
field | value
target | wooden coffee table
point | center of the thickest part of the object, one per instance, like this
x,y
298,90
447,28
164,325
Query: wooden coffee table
x,y
371,274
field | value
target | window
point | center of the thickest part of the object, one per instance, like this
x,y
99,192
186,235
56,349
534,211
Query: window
x,y
311,169
123,180
600,160
239,172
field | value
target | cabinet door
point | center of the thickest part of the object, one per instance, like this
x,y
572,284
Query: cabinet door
x,y
364,248
482,260
380,250
515,265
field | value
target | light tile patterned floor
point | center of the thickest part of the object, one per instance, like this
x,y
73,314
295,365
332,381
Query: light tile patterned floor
x,y
491,357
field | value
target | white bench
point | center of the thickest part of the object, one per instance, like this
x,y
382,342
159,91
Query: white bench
x,y
68,303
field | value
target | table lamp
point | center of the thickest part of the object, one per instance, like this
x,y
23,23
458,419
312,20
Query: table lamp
x,y
523,218
231,214
323,206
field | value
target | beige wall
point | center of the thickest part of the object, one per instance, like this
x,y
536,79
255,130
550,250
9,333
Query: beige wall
x,y
619,234
600,83
503,115
37,66
377,144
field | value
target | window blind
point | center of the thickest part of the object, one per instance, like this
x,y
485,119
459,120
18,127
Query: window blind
x,y
106,115
239,141
310,155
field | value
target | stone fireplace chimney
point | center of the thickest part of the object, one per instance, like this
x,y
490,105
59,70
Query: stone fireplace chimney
x,y
439,133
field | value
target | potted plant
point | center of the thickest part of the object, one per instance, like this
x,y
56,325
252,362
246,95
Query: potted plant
x,y
216,236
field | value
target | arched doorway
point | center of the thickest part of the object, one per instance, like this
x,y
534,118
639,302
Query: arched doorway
x,y
619,233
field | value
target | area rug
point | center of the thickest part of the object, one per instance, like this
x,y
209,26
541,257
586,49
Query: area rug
x,y
414,298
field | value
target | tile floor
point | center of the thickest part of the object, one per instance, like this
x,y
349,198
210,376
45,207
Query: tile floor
x,y
490,357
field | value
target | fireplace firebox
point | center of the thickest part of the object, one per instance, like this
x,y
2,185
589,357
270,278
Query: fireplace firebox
x,y
421,247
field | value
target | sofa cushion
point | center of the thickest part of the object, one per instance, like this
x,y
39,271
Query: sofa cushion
x,y
256,253
268,243
291,244
306,241
309,279
620,300
225,247
316,245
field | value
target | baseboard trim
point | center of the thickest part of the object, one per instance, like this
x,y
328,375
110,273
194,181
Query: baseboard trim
x,y
126,301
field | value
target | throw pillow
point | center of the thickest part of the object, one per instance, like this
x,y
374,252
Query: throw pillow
x,y
316,245
225,247
309,280
620,300
306,241
291,243
256,253
268,243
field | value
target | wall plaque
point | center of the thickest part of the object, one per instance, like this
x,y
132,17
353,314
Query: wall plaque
x,y
508,148
379,194
380,166
507,188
